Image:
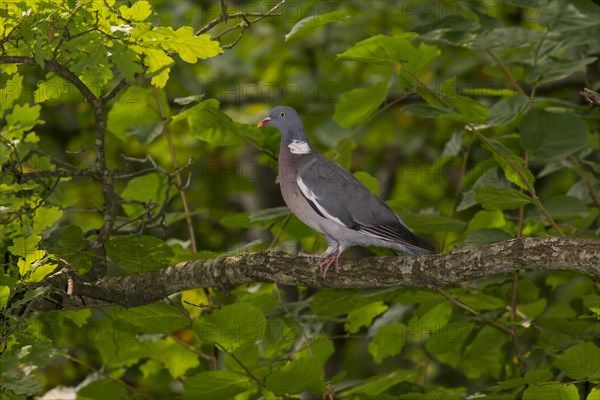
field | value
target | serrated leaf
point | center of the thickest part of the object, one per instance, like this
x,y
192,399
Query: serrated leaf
x,y
139,11
357,105
314,22
45,217
550,136
493,198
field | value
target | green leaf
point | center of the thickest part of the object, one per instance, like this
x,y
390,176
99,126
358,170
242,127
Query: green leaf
x,y
183,41
314,22
592,301
514,167
139,11
453,146
357,105
45,217
504,38
368,180
565,207
383,49
27,249
363,316
427,223
508,109
468,109
4,296
136,254
558,69
216,385
209,124
486,219
564,16
479,301
295,377
568,134
388,341
427,111
378,385
555,391
493,198
158,317
70,245
231,326
268,215
239,220
594,393
146,134
581,361
103,389
436,317
149,188
485,236
175,357
136,107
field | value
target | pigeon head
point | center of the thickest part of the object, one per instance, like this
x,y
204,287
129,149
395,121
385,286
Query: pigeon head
x,y
287,120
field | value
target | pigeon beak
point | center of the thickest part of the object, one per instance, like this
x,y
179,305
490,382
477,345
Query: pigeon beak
x,y
266,121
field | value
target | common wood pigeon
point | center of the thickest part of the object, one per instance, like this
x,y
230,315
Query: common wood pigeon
x,y
331,200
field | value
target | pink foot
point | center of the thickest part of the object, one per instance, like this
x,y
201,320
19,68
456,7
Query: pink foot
x,y
326,263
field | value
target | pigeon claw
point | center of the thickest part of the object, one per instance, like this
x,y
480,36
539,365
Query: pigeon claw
x,y
328,261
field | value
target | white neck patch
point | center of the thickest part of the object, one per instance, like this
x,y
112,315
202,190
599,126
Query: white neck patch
x,y
299,147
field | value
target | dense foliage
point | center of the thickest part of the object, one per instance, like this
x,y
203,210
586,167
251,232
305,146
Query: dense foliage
x,y
465,116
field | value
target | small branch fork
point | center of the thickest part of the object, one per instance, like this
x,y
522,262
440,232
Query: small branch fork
x,y
246,18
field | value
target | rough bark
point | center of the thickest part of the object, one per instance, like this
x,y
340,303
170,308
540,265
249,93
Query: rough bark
x,y
426,271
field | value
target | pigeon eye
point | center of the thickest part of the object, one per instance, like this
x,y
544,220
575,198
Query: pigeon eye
x,y
282,114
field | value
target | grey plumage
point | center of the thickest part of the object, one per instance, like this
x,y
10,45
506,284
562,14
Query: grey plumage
x,y
331,200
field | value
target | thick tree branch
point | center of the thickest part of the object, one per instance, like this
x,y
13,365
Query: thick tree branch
x,y
426,271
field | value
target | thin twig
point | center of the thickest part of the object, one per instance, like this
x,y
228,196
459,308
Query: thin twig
x,y
489,144
241,364
506,72
186,208
105,374
477,314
